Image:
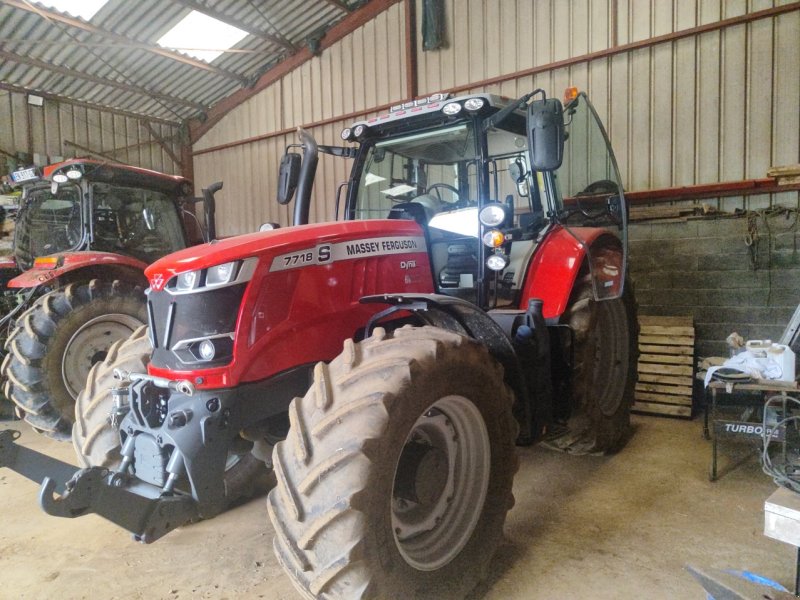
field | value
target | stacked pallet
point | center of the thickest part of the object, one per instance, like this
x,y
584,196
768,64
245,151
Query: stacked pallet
x,y
666,366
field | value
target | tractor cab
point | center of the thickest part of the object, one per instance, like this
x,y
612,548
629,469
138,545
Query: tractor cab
x,y
489,179
89,205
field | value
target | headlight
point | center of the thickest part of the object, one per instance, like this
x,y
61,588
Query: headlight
x,y
492,215
346,134
359,130
187,281
474,104
74,173
494,238
451,108
207,350
497,262
60,178
221,274
225,274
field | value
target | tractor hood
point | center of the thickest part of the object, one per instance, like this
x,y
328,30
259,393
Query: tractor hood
x,y
278,242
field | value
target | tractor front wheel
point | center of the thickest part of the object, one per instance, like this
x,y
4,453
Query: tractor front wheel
x,y
604,371
56,342
395,478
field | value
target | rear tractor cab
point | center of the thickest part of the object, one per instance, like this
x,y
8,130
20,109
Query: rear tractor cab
x,y
85,231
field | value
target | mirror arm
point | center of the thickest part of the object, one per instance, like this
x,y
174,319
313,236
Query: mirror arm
x,y
307,172
210,209
338,151
501,115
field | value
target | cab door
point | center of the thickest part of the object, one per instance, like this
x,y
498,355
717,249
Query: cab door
x,y
589,194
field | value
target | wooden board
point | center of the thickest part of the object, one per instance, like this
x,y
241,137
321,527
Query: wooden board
x,y
667,340
656,408
666,321
666,366
668,379
645,367
665,359
677,350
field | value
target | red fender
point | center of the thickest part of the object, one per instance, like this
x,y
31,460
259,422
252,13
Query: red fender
x,y
72,261
558,260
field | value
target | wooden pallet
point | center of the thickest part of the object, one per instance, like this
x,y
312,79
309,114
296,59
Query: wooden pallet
x,y
666,366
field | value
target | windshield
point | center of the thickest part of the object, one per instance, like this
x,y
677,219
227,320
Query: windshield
x,y
434,177
137,222
48,223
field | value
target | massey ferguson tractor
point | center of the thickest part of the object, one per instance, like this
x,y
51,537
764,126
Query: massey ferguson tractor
x,y
85,232
470,296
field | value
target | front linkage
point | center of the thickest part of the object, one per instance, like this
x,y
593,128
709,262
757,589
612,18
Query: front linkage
x,y
180,456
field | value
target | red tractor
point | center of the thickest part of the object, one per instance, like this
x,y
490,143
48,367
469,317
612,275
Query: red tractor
x,y
85,231
473,296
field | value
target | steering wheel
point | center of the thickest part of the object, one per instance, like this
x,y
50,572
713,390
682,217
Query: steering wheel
x,y
447,186
602,187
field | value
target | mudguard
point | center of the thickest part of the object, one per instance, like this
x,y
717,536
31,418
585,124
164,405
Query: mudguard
x,y
558,260
68,262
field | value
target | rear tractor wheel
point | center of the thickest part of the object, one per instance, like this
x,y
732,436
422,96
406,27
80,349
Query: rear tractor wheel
x,y
56,342
395,478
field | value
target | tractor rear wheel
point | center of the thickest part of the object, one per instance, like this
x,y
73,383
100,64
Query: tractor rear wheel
x,y
395,478
97,442
56,342
604,371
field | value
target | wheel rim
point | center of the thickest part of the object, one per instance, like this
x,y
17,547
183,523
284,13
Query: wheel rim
x,y
440,484
90,344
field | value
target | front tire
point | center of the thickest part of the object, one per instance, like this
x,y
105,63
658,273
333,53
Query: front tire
x,y
57,341
97,442
396,476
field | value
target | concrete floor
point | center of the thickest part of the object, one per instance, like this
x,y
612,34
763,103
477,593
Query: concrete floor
x,y
583,527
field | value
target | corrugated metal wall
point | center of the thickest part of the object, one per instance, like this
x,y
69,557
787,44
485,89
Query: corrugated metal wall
x,y
59,129
720,105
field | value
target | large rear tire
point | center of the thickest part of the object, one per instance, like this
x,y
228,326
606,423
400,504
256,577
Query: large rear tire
x,y
395,478
56,342
605,354
96,441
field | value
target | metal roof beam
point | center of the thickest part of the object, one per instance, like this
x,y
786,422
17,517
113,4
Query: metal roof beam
x,y
50,15
164,145
90,105
211,12
350,23
340,5
26,60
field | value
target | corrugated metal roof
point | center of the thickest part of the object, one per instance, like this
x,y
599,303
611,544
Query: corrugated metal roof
x,y
39,44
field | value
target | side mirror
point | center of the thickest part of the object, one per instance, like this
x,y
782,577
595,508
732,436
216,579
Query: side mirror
x,y
546,134
288,177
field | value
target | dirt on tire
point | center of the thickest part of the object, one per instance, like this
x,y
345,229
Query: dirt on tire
x,y
332,508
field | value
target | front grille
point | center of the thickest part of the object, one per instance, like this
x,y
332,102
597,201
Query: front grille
x,y
176,318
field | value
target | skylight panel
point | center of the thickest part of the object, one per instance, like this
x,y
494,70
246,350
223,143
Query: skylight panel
x,y
85,9
201,36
